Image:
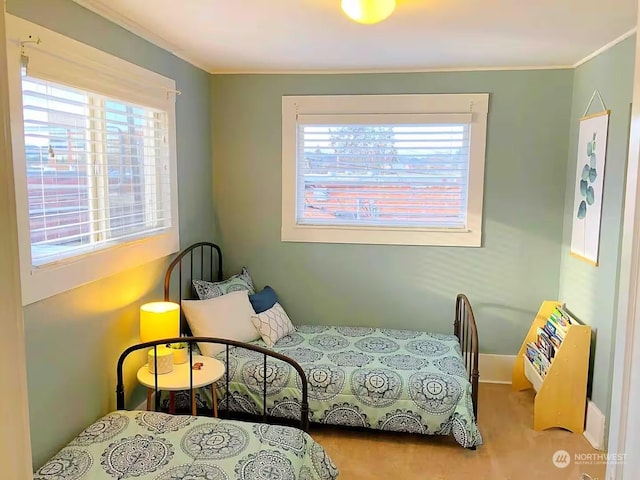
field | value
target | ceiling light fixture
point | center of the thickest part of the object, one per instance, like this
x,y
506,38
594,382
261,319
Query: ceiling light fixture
x,y
368,11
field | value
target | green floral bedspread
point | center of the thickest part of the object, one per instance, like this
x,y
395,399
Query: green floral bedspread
x,y
149,445
396,380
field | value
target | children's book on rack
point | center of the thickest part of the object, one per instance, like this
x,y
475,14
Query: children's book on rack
x,y
549,338
538,359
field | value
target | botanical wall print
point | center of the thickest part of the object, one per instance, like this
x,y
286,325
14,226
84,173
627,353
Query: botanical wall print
x,y
587,210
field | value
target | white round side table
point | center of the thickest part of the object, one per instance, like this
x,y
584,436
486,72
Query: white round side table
x,y
210,371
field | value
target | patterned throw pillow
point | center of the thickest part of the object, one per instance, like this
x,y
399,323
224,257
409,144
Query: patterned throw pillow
x,y
241,281
273,324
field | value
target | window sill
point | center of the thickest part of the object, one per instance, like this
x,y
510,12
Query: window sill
x,y
46,281
381,236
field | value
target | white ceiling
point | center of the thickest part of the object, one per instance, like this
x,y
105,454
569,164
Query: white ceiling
x,y
224,36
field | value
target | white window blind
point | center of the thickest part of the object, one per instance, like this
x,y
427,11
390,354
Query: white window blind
x,y
95,161
390,170
97,170
404,169
63,64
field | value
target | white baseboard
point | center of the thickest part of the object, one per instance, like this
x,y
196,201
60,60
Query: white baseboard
x,y
496,368
595,428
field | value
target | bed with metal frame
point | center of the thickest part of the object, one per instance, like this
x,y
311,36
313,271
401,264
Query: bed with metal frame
x,y
155,445
203,261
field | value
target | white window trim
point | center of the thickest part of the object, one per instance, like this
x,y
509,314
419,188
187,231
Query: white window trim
x,y
15,449
292,106
51,279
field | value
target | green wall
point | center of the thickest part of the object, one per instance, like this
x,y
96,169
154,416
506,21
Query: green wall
x,y
403,286
74,339
591,292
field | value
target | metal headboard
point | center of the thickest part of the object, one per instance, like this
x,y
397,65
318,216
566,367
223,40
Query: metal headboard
x,y
198,261
466,330
304,404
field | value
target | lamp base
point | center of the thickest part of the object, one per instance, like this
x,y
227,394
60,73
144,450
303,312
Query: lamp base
x,y
164,360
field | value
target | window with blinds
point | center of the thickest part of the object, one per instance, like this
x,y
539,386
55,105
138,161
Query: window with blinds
x,y
97,170
95,166
384,169
406,173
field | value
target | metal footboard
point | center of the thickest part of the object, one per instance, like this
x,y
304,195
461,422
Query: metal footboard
x,y
191,341
466,330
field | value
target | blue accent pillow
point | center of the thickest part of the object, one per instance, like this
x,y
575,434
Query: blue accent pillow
x,y
263,300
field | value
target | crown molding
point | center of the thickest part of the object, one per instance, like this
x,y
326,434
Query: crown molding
x,y
387,70
102,8
606,47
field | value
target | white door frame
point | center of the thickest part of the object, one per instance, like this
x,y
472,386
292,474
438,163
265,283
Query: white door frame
x,y
15,444
624,431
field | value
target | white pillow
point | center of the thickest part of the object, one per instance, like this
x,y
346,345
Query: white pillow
x,y
273,324
228,317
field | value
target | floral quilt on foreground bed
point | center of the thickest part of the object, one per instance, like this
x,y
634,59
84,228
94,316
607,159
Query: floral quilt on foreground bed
x,y
158,446
397,380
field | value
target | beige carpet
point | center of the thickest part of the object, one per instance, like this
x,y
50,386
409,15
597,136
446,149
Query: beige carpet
x,y
511,449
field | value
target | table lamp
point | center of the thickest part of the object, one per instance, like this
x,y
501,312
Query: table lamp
x,y
159,320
